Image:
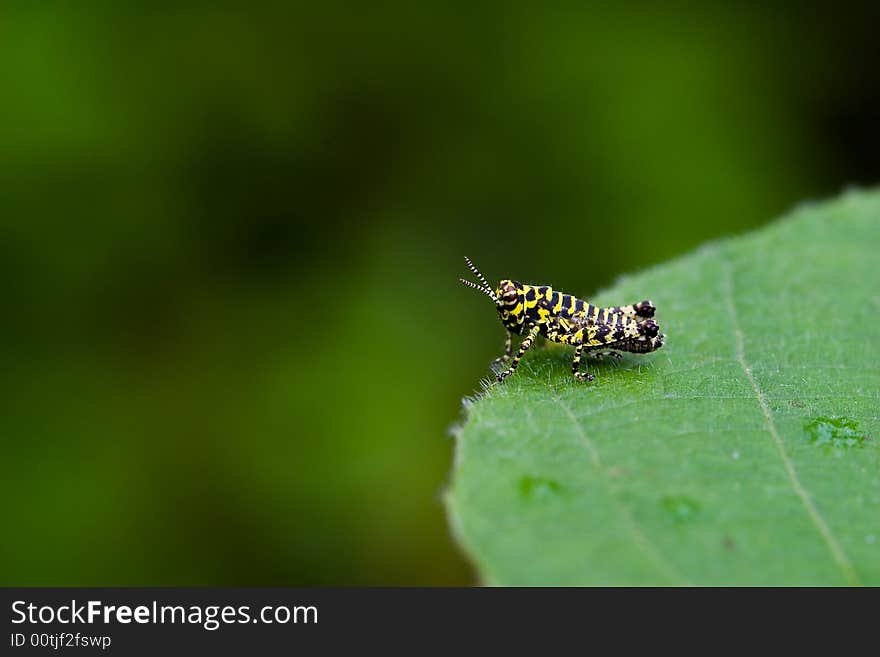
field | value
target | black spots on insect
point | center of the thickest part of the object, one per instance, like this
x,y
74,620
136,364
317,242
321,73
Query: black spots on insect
x,y
645,345
603,331
649,328
531,295
513,323
640,345
644,308
619,334
541,311
554,299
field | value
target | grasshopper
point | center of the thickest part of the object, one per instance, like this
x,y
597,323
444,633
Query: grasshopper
x,y
533,310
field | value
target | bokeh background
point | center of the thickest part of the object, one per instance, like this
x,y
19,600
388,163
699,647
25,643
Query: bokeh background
x,y
233,339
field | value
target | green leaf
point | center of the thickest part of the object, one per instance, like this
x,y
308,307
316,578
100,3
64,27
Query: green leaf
x,y
745,451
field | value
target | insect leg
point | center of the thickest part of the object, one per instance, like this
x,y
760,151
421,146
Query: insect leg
x,y
523,348
593,339
576,365
602,355
557,329
644,309
642,344
636,337
508,348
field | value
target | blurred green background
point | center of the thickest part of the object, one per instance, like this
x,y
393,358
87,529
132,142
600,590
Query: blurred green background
x,y
233,338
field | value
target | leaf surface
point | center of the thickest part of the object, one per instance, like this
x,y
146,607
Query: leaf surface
x,y
745,452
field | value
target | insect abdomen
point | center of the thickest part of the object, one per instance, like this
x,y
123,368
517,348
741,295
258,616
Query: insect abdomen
x,y
594,335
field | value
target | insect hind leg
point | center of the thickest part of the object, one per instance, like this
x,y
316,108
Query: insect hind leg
x,y
640,345
644,309
604,355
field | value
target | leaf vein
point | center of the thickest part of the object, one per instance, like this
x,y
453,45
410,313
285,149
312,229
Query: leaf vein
x,y
641,540
831,541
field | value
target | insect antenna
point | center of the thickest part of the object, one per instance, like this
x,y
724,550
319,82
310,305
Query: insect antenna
x,y
477,273
485,288
485,291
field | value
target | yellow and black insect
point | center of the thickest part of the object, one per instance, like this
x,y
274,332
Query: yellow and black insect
x,y
533,310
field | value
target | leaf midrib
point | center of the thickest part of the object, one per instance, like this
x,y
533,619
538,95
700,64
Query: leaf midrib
x,y
830,540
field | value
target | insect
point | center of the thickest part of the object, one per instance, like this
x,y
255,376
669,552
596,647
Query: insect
x,y
533,310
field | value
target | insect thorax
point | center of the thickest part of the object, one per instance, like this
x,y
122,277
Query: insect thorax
x,y
522,305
